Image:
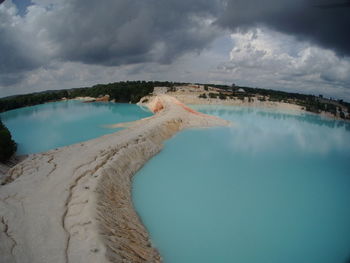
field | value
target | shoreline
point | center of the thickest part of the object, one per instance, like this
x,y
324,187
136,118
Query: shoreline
x,y
192,98
75,201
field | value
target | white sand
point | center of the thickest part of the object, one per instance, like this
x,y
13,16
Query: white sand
x,y
74,204
192,98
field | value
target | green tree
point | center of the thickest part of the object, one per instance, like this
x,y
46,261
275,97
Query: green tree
x,y
213,95
7,146
222,96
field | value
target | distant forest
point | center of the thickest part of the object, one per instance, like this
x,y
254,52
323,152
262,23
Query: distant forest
x,y
128,91
133,91
310,103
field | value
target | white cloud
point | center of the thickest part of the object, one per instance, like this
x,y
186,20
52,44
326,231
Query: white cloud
x,y
268,59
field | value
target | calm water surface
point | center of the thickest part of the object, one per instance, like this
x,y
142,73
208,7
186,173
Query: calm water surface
x,y
274,188
47,126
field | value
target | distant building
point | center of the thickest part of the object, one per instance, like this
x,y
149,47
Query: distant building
x,y
241,90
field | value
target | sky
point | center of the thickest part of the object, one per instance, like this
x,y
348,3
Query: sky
x,y
297,46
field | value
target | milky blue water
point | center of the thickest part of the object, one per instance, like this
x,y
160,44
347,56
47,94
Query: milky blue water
x,y
274,188
47,126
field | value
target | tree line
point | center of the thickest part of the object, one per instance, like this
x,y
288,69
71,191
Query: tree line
x,y
125,91
309,102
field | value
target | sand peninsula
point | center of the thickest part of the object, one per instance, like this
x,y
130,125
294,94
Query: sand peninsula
x,y
73,204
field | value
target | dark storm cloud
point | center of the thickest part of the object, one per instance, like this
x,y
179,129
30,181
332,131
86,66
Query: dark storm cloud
x,y
116,32
154,32
324,22
110,32
17,54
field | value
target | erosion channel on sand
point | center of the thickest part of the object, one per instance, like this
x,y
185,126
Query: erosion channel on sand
x,y
73,204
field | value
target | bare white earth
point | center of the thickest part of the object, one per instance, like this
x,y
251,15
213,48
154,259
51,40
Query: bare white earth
x,y
192,98
73,204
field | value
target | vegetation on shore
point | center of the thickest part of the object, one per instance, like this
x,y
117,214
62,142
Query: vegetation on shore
x,y
133,91
7,145
128,91
311,103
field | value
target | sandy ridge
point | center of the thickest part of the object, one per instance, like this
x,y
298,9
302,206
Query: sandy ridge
x,y
73,204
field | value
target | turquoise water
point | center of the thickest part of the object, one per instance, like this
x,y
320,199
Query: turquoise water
x,y
47,126
274,188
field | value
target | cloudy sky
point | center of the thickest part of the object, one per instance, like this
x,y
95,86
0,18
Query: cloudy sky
x,y
299,45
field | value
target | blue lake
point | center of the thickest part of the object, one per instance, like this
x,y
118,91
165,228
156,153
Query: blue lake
x,y
47,126
274,188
